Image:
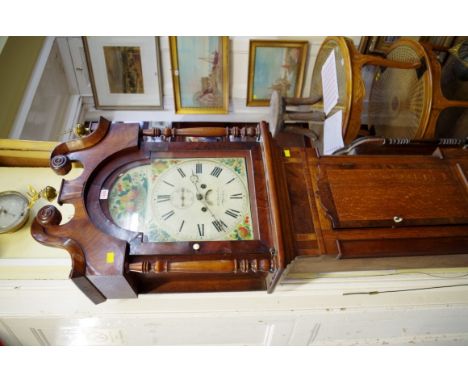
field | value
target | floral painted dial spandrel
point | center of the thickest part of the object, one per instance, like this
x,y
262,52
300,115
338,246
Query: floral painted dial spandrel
x,y
195,199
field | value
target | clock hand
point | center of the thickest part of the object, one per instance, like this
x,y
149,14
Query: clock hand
x,y
194,180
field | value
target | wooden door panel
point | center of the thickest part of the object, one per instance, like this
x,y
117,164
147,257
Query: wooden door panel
x,y
388,197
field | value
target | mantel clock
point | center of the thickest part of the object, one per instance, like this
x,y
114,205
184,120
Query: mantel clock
x,y
156,212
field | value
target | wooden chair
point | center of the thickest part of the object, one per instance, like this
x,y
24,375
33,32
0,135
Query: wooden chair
x,y
439,101
400,101
351,87
405,104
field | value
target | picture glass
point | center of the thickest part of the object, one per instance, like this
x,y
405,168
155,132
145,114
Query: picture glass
x,y
124,69
200,72
125,72
275,69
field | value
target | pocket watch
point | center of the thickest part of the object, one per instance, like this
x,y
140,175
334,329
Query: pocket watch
x,y
14,211
15,207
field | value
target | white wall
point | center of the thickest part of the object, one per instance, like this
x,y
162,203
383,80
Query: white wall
x,y
62,94
238,111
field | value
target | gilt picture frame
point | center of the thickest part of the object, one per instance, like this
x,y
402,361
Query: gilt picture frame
x,y
376,44
125,72
440,41
200,74
275,65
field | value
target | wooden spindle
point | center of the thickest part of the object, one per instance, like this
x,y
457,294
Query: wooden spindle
x,y
202,266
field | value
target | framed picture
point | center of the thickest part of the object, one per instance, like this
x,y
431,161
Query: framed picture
x,y
200,74
443,42
275,65
125,72
439,41
381,44
376,44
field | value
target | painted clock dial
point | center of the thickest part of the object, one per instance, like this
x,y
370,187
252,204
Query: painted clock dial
x,y
189,199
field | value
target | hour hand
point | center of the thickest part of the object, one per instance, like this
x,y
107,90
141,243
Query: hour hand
x,y
194,180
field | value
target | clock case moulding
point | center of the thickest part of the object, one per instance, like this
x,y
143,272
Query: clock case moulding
x,y
110,262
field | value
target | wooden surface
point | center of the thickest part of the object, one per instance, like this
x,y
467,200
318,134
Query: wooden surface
x,y
322,264
359,197
392,193
307,238
279,204
370,206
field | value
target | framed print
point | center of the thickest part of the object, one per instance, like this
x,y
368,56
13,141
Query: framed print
x,y
275,65
444,42
376,44
438,41
125,72
200,74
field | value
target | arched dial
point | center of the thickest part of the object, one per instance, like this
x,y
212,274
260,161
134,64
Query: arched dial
x,y
196,199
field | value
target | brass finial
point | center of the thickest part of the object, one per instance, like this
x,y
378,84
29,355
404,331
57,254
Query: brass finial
x,y
49,193
81,130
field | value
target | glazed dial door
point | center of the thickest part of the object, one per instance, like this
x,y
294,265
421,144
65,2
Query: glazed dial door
x,y
196,199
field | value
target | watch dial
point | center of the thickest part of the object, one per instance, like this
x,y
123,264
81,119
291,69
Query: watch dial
x,y
196,199
13,211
